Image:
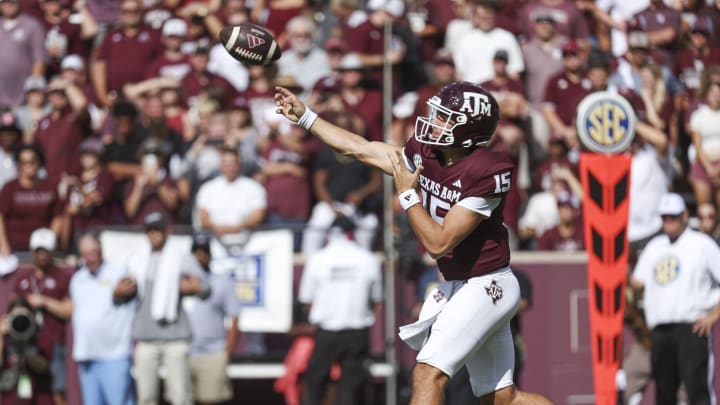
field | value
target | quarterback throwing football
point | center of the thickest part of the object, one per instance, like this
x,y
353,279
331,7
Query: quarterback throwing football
x,y
453,189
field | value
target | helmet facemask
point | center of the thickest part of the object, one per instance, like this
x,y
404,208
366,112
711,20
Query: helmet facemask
x,y
442,120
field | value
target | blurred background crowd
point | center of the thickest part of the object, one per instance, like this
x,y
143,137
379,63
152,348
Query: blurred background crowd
x,y
114,109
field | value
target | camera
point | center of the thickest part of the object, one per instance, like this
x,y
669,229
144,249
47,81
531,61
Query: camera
x,y
22,327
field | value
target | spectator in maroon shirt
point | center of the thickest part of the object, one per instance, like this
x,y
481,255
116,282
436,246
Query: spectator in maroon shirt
x,y
567,235
557,157
27,203
285,177
122,56
569,21
90,193
366,38
428,21
367,103
46,289
59,133
698,54
63,37
563,93
152,189
201,83
663,26
508,91
172,62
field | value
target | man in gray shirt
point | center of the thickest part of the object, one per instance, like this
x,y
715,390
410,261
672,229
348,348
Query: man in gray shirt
x,y
212,345
23,46
159,276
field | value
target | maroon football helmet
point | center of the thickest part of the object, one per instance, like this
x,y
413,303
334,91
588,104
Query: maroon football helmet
x,y
461,115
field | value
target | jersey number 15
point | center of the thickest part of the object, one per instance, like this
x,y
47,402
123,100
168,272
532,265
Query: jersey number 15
x,y
502,182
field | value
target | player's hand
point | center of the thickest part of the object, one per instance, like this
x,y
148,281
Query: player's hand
x,y
288,104
704,325
404,178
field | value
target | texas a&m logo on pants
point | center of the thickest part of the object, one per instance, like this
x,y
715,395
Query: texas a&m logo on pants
x,y
494,291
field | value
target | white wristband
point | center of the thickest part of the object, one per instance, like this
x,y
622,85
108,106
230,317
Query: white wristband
x,y
408,198
307,119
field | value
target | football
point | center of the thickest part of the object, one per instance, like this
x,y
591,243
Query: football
x,y
250,44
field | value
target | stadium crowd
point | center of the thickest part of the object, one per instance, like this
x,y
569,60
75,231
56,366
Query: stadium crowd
x,y
111,110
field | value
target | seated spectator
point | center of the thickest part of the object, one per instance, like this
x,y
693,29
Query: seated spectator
x,y
34,108
663,25
152,190
705,131
541,212
698,54
89,195
303,60
46,289
627,73
216,204
202,160
122,142
102,343
567,235
27,203
557,157
60,133
343,187
10,137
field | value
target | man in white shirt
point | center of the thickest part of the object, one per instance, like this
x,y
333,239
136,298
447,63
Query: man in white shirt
x,y
679,271
230,203
475,50
102,342
341,285
303,60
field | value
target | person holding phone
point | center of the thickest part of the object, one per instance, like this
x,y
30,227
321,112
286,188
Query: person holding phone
x,y
152,189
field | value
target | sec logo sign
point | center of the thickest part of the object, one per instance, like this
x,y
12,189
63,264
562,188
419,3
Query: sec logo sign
x,y
605,122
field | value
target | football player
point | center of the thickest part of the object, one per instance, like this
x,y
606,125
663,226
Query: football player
x,y
457,216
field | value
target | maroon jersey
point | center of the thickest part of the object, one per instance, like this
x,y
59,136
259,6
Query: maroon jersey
x,y
482,174
55,283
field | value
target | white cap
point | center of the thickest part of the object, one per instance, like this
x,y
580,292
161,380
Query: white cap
x,y
351,61
73,62
35,83
395,8
42,238
671,204
174,27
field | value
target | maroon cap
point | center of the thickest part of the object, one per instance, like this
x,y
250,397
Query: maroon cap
x,y
327,84
570,47
335,45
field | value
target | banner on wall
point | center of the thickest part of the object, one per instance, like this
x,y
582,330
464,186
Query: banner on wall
x,y
606,126
259,264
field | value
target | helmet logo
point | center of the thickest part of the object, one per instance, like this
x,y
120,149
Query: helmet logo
x,y
475,104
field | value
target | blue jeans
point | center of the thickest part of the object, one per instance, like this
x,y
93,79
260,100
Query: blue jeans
x,y
106,382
